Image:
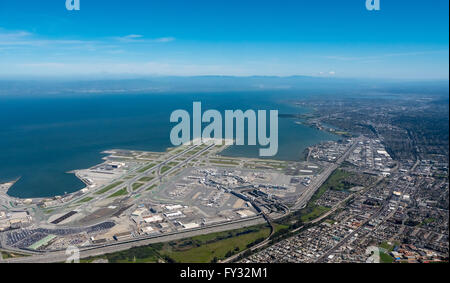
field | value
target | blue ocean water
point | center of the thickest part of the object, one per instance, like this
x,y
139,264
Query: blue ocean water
x,y
43,138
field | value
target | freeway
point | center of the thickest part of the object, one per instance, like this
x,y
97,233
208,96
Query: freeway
x,y
349,236
257,246
318,182
92,251
60,256
303,200
375,215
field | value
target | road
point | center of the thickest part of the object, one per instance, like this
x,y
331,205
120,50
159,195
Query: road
x,y
60,256
257,246
341,243
349,236
303,200
318,182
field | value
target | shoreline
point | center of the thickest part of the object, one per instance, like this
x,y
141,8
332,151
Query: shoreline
x,y
302,157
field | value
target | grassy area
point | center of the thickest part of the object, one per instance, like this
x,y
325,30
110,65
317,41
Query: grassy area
x,y
86,199
336,181
192,152
151,187
312,210
119,193
136,186
165,169
9,255
315,212
333,182
146,168
279,227
213,247
108,188
385,258
223,162
202,249
146,254
428,220
275,165
146,179
389,247
386,246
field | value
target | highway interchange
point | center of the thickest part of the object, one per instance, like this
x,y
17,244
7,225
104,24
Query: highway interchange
x,y
59,256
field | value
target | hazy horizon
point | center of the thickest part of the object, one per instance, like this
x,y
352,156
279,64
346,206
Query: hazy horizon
x,y
214,84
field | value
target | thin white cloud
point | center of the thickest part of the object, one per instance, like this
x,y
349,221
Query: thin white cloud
x,y
134,36
13,35
323,74
164,39
24,38
137,38
386,55
129,68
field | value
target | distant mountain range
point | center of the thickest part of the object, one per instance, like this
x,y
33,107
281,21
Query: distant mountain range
x,y
313,85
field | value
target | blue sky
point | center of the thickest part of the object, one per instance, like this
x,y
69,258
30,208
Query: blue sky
x,y
406,39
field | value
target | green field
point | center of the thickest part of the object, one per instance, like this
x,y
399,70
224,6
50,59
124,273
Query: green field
x,y
202,249
109,187
146,254
9,255
315,212
385,258
151,187
312,210
212,247
279,227
389,247
428,221
136,186
223,162
146,168
86,199
274,165
146,179
121,192
165,169
337,181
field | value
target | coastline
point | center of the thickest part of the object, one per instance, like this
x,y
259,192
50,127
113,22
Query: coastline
x,y
87,183
290,153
